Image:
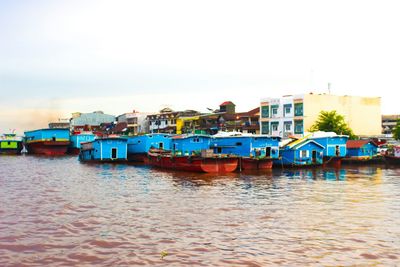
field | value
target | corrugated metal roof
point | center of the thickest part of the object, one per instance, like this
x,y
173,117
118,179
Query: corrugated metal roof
x,y
358,143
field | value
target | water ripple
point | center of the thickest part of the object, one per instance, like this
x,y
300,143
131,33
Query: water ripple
x,y
58,212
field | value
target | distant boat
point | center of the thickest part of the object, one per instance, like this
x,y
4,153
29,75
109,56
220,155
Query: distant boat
x,y
109,149
362,151
50,142
10,144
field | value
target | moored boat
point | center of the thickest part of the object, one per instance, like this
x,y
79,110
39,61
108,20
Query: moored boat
x,y
10,144
255,152
50,142
192,163
334,147
139,145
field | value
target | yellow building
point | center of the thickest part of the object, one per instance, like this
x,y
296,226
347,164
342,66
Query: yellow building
x,y
295,114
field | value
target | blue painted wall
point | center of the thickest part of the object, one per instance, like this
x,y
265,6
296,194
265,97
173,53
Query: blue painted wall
x,y
102,149
143,143
246,146
330,144
48,134
192,143
367,150
77,139
294,156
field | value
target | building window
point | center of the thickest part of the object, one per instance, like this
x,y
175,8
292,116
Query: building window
x,y
287,126
298,126
298,109
274,126
264,127
303,153
265,112
287,108
274,110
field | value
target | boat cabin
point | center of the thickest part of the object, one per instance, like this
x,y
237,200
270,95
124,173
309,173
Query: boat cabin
x,y
301,153
104,150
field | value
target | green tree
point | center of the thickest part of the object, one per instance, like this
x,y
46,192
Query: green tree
x,y
396,130
331,121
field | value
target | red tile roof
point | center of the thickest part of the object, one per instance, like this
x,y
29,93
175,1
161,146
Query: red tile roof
x,y
357,143
227,103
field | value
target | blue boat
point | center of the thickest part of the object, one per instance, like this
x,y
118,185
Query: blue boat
x,y
77,139
300,153
104,150
254,151
139,146
192,144
334,146
47,141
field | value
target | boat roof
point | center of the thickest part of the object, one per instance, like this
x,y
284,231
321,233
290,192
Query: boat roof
x,y
240,134
184,136
322,134
47,129
303,143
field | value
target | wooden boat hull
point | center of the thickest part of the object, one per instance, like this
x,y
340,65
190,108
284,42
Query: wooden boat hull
x,y
137,157
48,148
335,162
392,160
255,164
193,164
73,151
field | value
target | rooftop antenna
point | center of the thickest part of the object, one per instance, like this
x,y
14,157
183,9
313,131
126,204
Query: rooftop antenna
x,y
329,88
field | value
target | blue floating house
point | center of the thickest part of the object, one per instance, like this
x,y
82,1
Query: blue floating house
x,y
187,145
139,145
50,141
335,145
302,152
252,146
77,139
361,150
104,150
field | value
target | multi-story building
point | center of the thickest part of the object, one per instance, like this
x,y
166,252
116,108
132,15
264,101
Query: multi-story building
x,y
295,114
61,123
90,121
166,120
135,122
389,122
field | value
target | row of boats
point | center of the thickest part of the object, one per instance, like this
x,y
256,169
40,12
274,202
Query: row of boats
x,y
223,152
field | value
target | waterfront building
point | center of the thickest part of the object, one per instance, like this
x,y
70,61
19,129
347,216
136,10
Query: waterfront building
x,y
61,123
133,123
227,119
104,150
293,115
302,152
361,149
166,120
90,121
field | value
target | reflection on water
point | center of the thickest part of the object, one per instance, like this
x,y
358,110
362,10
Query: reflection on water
x,y
58,212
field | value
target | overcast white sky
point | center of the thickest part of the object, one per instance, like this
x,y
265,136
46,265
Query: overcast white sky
x,y
58,57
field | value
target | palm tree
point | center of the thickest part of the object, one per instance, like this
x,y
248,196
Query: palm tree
x,y
331,121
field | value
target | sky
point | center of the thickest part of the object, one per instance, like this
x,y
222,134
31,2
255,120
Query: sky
x,y
59,57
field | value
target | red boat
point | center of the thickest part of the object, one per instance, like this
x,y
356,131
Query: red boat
x,y
255,163
48,148
165,159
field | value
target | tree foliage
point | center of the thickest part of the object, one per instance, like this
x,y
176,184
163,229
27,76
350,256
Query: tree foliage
x,y
396,130
331,121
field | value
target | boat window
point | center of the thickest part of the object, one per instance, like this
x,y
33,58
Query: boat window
x,y
303,153
53,138
161,145
268,151
239,143
113,153
9,143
